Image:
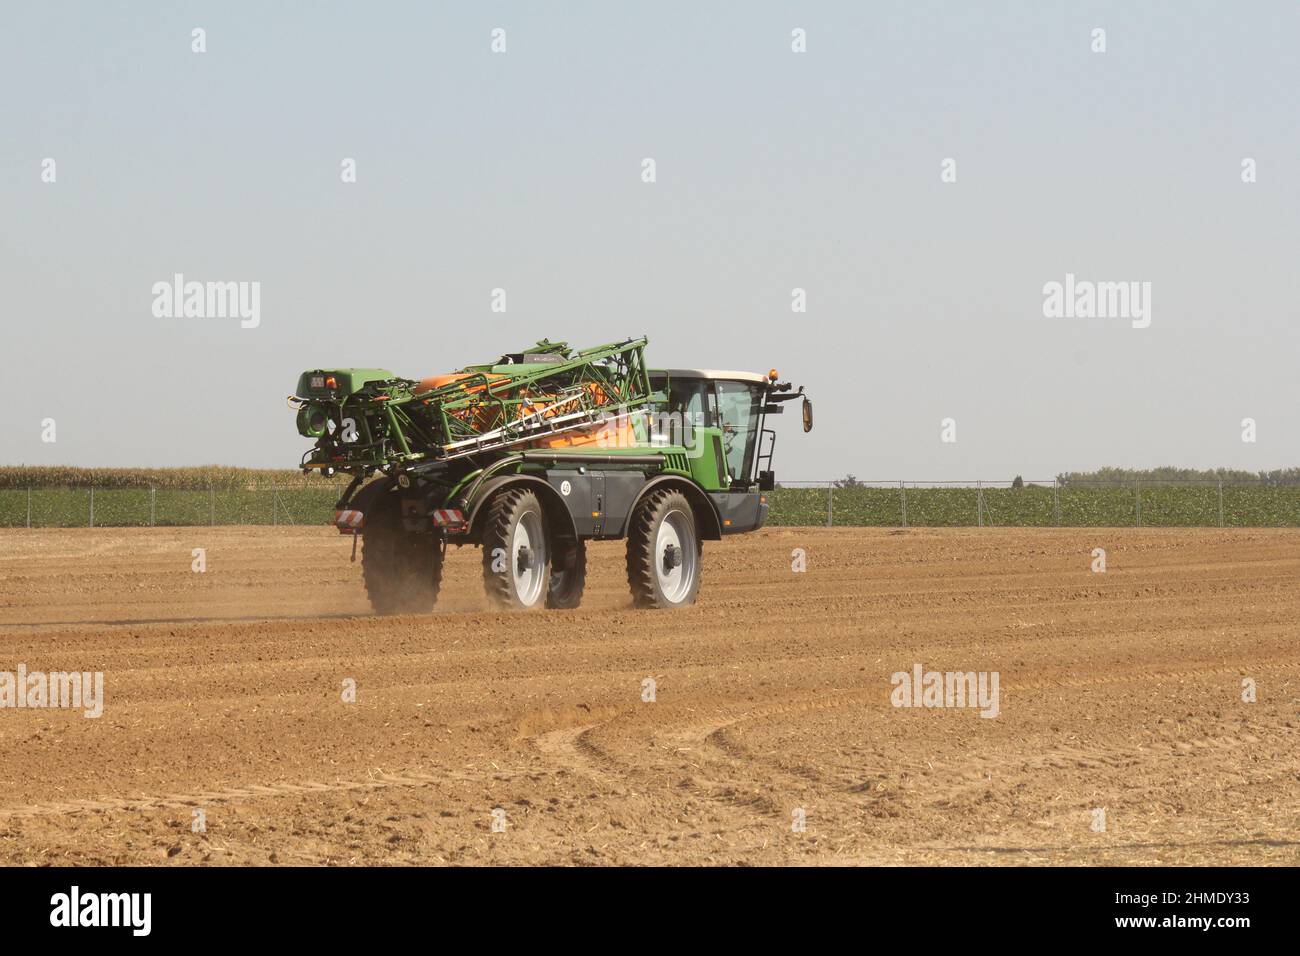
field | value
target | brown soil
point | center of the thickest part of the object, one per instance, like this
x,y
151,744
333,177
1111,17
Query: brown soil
x,y
1120,691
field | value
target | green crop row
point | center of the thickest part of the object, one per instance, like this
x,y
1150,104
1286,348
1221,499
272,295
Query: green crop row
x,y
1031,506
72,507
1158,506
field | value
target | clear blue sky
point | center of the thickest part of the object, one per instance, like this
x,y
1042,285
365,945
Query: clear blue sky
x,y
775,170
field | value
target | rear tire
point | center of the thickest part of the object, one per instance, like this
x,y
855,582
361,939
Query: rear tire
x,y
664,552
402,570
568,577
516,550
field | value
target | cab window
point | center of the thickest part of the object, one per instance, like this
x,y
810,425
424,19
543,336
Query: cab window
x,y
738,416
691,404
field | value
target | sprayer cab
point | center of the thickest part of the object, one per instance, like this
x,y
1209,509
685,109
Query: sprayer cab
x,y
733,406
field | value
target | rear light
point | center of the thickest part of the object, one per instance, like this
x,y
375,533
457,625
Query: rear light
x,y
453,519
331,382
349,520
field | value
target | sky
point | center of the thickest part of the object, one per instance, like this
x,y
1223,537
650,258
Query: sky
x,y
921,170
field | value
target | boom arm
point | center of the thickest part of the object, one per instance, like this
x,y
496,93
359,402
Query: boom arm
x,y
372,422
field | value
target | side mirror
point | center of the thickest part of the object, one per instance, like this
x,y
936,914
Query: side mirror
x,y
807,414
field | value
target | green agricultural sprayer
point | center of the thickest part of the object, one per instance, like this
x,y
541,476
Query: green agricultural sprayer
x,y
535,454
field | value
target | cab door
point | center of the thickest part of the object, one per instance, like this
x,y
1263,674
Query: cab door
x,y
738,412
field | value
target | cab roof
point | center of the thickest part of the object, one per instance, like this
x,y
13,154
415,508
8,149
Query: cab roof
x,y
710,373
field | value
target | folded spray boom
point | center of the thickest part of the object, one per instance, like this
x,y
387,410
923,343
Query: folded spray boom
x,y
548,395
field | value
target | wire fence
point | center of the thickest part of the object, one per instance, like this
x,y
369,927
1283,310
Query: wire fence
x,y
166,507
898,504
1043,503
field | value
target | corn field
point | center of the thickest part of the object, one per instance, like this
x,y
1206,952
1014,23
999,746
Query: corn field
x,y
137,497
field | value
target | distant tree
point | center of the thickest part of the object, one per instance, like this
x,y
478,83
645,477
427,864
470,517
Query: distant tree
x,y
849,482
1018,483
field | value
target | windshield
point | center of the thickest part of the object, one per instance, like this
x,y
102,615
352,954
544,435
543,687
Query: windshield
x,y
738,415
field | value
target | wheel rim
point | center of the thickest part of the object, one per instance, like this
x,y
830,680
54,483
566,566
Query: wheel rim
x,y
528,558
675,571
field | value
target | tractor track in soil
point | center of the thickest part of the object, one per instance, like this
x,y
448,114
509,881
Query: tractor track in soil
x,y
1119,691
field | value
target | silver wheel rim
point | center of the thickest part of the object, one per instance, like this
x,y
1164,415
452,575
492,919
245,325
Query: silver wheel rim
x,y
530,537
677,531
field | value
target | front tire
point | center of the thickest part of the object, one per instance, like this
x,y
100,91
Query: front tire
x,y
664,552
516,550
402,570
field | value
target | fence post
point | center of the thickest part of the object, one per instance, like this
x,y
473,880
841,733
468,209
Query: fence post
x,y
1056,502
1137,487
902,492
92,506
151,501
1220,503
275,507
29,507
979,502
830,507
212,507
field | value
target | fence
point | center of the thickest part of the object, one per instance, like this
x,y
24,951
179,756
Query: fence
x,y
162,507
878,503
1043,504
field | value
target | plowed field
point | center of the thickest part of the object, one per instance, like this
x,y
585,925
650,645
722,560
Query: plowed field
x,y
1119,692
